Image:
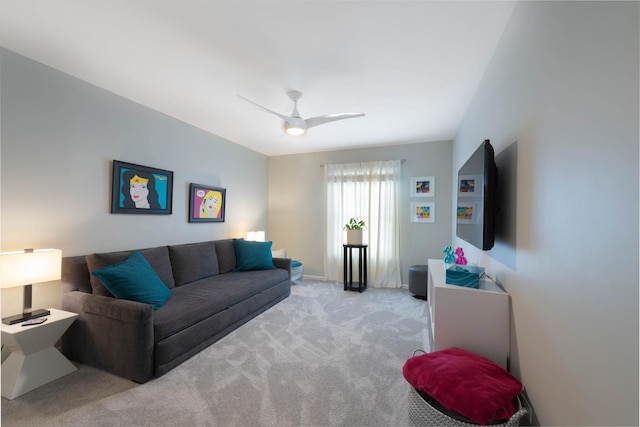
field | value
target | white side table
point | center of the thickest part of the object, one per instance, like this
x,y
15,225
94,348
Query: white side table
x,y
34,361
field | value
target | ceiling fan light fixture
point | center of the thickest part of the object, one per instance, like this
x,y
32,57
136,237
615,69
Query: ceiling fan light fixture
x,y
297,126
294,130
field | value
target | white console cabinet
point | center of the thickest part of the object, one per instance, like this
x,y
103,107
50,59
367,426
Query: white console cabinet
x,y
476,320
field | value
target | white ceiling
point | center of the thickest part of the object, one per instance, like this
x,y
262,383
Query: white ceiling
x,y
411,66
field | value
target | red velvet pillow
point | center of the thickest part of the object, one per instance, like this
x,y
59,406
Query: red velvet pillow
x,y
466,383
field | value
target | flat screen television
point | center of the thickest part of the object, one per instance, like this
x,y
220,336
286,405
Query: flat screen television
x,y
477,200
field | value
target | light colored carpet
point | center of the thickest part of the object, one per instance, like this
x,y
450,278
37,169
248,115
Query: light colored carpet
x,y
322,357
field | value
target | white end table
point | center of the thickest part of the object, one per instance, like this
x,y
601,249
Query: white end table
x,y
34,361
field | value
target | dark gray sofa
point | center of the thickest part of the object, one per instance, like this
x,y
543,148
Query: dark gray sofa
x,y
208,301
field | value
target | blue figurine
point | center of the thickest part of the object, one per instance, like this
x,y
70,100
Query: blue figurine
x,y
449,258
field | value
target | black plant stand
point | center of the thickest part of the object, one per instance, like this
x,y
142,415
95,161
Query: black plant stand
x,y
361,284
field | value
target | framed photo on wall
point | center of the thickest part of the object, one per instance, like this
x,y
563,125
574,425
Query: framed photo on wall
x,y
206,203
137,189
423,186
423,212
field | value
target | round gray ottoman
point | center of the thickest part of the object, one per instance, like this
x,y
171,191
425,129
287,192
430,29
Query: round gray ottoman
x,y
418,281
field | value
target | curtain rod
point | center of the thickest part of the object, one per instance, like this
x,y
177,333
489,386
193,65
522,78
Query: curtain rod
x,y
401,161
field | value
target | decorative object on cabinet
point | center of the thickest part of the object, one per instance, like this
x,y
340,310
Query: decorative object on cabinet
x,y
206,203
423,212
137,189
464,275
449,258
460,258
423,186
24,268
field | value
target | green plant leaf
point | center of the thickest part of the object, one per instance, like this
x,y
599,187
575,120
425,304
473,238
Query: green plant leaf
x,y
355,224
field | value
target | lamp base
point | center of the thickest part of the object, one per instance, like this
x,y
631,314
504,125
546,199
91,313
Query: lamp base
x,y
25,316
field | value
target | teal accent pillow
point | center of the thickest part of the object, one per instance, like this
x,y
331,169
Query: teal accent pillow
x,y
133,279
253,255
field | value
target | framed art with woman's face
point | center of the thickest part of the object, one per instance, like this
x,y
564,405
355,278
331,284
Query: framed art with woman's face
x,y
137,189
206,203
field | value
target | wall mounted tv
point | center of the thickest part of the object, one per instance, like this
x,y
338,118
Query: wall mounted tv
x,y
477,199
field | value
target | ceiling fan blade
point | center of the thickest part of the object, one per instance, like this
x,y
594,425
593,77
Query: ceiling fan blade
x,y
315,121
282,116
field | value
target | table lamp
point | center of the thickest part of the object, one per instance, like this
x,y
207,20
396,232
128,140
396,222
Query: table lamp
x,y
24,268
256,236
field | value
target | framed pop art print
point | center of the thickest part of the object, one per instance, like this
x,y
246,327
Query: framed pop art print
x,y
137,189
423,186
423,212
206,203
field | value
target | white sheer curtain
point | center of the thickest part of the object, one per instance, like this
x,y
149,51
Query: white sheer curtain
x,y
368,191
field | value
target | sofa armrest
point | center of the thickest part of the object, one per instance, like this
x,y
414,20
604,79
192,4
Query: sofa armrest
x,y
283,263
112,334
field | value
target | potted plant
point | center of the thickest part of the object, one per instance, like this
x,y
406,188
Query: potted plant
x,y
354,231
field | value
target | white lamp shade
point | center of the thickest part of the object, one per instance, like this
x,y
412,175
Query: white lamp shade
x,y
256,236
22,268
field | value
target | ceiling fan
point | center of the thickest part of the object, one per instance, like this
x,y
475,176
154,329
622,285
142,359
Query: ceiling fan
x,y
296,125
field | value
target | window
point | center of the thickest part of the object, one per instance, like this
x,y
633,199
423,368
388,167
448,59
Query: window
x,y
368,191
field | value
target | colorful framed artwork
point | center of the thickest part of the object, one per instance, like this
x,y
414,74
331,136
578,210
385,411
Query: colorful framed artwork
x,y
467,213
423,212
137,189
206,203
423,186
469,185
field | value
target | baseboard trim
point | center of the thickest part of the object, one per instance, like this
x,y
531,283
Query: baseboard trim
x,y
308,277
324,279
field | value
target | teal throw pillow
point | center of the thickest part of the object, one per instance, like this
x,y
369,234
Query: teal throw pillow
x,y
134,279
253,255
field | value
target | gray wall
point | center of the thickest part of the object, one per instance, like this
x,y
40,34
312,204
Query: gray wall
x,y
563,83
59,136
297,202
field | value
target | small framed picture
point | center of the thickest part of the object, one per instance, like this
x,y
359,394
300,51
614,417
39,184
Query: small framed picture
x,y
423,212
137,189
206,203
423,186
467,213
469,185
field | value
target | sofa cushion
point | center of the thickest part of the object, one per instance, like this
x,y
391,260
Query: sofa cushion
x,y
226,255
193,261
157,257
253,255
134,279
204,298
